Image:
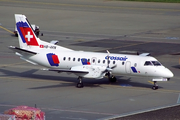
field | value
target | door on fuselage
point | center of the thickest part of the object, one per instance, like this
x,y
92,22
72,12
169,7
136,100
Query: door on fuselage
x,y
128,67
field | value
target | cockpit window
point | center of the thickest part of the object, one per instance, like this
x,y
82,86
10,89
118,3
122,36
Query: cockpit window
x,y
152,63
148,63
156,63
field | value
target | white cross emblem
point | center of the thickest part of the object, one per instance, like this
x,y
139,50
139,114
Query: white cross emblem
x,y
29,36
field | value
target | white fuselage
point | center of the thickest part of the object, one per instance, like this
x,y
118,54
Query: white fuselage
x,y
124,64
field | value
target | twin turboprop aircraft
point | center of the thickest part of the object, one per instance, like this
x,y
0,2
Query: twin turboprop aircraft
x,y
84,64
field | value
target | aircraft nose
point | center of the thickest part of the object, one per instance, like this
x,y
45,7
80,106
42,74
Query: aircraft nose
x,y
169,74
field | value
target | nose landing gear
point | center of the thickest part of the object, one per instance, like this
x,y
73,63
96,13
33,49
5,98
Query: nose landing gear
x,y
155,87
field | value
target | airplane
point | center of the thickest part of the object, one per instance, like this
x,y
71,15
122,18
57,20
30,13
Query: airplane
x,y
84,64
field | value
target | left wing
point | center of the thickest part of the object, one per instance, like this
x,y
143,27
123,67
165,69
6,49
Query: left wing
x,y
87,71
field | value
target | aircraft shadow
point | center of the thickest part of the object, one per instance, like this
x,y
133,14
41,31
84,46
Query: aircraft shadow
x,y
176,66
30,74
73,81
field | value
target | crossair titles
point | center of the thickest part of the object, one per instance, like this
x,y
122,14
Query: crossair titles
x,y
117,58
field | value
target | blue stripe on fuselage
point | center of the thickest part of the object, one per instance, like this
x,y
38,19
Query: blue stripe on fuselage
x,y
134,69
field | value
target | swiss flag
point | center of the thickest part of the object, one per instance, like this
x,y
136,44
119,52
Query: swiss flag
x,y
41,46
29,36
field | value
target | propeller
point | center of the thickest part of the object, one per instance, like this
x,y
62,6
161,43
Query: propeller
x,y
108,62
108,59
108,69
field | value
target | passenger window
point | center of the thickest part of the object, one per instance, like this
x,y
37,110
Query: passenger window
x,y
74,59
122,63
79,59
88,60
103,61
99,61
69,58
147,63
64,58
114,62
135,64
93,61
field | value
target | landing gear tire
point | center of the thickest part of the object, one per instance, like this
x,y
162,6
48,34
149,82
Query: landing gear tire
x,y
154,87
113,79
80,85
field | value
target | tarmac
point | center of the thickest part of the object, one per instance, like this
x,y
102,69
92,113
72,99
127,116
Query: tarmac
x,y
93,25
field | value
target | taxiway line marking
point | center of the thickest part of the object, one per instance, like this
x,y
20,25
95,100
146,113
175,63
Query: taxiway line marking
x,y
32,79
66,110
139,112
90,6
6,30
145,89
79,111
6,65
151,82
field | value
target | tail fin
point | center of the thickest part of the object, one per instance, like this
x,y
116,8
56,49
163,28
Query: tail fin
x,y
26,35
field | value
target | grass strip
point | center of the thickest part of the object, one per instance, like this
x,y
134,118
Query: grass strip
x,y
165,1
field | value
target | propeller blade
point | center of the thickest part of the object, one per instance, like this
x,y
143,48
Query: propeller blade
x,y
113,66
108,59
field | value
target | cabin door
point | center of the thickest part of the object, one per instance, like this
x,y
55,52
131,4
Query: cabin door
x,y
128,67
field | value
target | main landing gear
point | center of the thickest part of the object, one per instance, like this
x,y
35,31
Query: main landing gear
x,y
155,87
112,79
80,83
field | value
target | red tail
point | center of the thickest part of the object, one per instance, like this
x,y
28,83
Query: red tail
x,y
29,36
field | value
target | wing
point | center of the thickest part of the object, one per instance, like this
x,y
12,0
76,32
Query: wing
x,y
86,71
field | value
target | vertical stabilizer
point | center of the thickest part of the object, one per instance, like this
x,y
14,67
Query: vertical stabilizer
x,y
26,35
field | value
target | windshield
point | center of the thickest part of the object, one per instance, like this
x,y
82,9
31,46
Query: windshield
x,y
156,63
148,63
152,63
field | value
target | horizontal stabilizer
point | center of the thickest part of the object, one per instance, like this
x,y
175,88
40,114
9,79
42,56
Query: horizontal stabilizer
x,y
22,51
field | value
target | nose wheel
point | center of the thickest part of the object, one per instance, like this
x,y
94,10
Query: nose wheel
x,y
155,87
